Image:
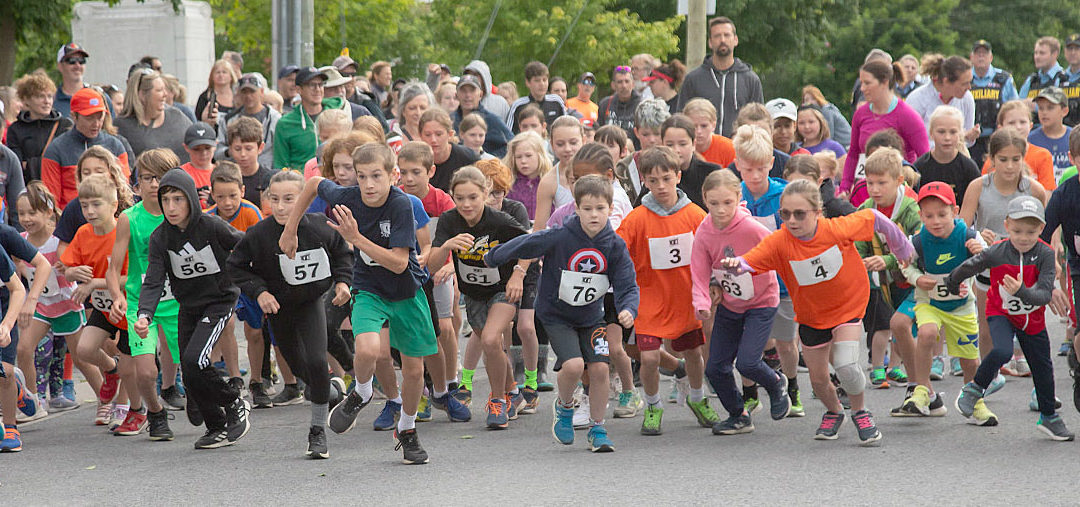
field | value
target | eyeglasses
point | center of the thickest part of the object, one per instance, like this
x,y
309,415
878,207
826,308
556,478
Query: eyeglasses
x,y
148,178
498,194
799,214
75,60
315,84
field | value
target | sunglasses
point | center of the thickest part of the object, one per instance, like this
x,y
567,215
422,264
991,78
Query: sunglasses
x,y
622,68
75,60
799,214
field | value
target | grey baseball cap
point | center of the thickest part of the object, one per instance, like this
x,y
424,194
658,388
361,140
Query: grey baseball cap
x,y
1026,207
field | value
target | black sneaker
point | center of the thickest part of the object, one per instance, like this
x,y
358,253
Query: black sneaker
x,y
159,426
171,399
830,426
337,391
213,439
733,425
290,395
868,432
316,443
343,416
193,415
1054,427
409,444
259,396
236,419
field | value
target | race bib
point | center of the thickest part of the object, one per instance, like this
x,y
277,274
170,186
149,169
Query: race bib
x,y
166,291
736,286
305,267
367,259
940,292
1014,305
580,289
191,263
475,275
52,286
860,167
101,300
819,268
671,252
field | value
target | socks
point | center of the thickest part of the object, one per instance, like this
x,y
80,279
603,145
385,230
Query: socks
x,y
653,400
696,395
750,392
319,413
566,405
792,384
466,378
439,394
364,390
530,378
406,421
515,390
597,423
397,400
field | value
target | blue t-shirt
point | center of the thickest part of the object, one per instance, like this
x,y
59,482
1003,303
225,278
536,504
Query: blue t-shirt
x,y
1059,148
391,225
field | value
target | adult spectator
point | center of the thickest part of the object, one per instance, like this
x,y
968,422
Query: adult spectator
x,y
469,91
950,85
722,78
582,102
249,94
1072,77
37,125
990,88
146,121
839,128
176,96
10,107
88,113
618,108
286,86
437,73
416,98
883,109
536,79
152,62
71,63
910,64
664,83
856,92
236,59
492,101
348,68
1047,70
641,66
558,87
11,185
296,138
437,130
381,78
334,87
221,84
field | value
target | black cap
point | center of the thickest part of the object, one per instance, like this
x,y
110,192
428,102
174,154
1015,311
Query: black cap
x,y
286,70
1072,40
199,134
306,74
981,43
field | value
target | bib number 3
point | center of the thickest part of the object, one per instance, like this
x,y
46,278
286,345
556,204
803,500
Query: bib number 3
x,y
671,252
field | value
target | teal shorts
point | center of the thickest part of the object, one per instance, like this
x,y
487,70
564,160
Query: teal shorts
x,y
148,345
66,324
409,320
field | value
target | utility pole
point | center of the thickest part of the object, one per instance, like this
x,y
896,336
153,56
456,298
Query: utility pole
x,y
293,33
696,34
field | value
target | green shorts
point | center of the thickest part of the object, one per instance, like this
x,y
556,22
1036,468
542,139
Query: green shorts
x,y
961,330
66,324
148,345
409,320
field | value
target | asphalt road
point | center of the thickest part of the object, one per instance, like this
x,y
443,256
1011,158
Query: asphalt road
x,y
922,461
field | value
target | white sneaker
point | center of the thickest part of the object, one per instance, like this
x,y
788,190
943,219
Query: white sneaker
x,y
581,414
1022,368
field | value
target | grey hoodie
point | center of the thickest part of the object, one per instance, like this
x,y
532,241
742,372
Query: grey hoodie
x,y
728,90
493,103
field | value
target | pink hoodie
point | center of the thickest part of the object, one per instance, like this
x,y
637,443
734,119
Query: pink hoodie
x,y
742,292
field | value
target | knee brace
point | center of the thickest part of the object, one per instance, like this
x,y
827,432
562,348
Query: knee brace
x,y
845,360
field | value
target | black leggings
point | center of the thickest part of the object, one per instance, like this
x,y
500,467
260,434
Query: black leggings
x,y
199,330
298,329
337,345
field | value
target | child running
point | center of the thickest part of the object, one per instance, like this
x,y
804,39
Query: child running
x,y
816,259
12,391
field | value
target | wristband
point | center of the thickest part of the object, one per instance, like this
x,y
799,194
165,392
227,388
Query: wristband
x,y
517,267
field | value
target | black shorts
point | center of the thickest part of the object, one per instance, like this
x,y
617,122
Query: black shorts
x,y
98,320
879,311
814,337
528,292
611,317
589,343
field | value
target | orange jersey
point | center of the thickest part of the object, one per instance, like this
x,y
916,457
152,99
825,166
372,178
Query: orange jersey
x,y
247,216
660,248
825,275
1041,163
721,151
90,249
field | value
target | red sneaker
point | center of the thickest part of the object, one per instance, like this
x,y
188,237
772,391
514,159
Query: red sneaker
x,y
109,387
133,424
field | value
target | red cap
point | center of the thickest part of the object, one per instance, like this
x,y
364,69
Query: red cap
x,y
940,190
87,101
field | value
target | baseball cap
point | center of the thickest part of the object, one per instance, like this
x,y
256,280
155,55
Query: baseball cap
x,y
940,190
69,49
981,43
333,77
1072,40
782,108
344,61
286,70
87,101
1026,206
305,74
199,134
588,78
1054,94
252,80
469,80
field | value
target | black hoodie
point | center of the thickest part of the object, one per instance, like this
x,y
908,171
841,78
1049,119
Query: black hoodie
x,y
728,90
28,139
193,258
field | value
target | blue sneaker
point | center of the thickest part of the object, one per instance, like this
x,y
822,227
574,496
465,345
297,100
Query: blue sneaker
x,y
180,383
387,419
496,413
969,395
26,401
562,423
423,411
68,390
12,441
452,407
995,385
599,441
937,368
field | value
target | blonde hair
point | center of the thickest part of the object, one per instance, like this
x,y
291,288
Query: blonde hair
x,y
885,162
806,189
753,112
98,186
370,125
335,120
469,174
943,112
140,82
752,144
345,144
700,106
721,178
1010,106
437,115
527,140
827,162
229,66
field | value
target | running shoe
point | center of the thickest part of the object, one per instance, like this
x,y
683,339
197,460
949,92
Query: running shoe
x,y
29,409
497,418
213,439
1054,427
830,426
237,419
845,401
62,404
159,426
1065,349
532,400
117,416
454,409
1022,368
599,441
1033,403
68,390
290,395
423,409
171,399
995,385
982,416
110,385
1076,390
259,397
12,441
780,406
337,392
629,404
937,405
343,417
868,432
733,425
194,416
654,415
918,403
513,401
463,395
897,377
673,396
752,405
387,419
878,379
409,445
797,409
965,401
101,417
954,367
582,414
937,368
316,443
704,413
1010,368
562,423
772,359
682,389
134,423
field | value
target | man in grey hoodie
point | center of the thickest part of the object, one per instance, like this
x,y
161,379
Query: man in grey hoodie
x,y
492,102
726,81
